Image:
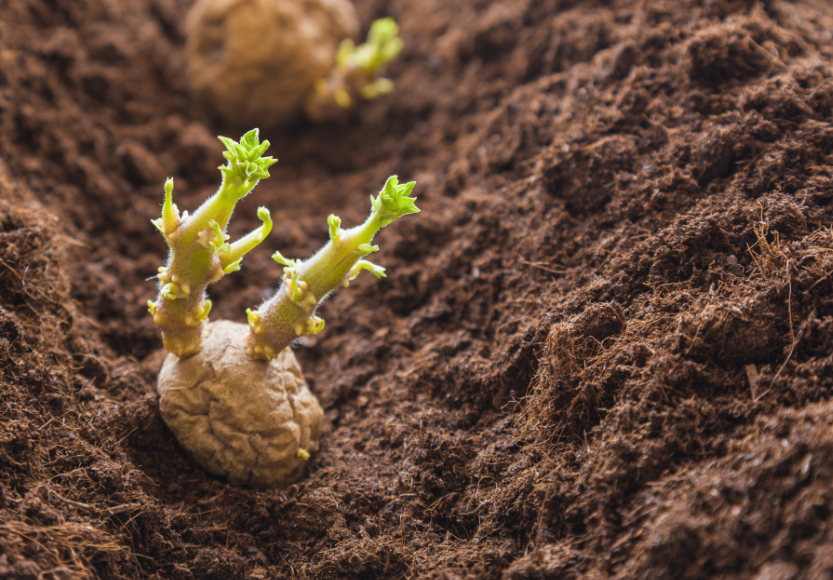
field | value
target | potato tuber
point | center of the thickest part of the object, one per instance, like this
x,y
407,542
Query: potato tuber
x,y
250,421
254,61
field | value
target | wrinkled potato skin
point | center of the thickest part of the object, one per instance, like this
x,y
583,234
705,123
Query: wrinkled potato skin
x,y
237,417
253,61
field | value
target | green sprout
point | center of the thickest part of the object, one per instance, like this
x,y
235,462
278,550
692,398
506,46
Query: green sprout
x,y
290,313
200,253
357,73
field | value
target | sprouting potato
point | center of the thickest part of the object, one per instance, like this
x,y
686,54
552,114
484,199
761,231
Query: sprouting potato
x,y
255,61
233,394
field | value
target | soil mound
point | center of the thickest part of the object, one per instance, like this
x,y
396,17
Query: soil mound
x,y
603,350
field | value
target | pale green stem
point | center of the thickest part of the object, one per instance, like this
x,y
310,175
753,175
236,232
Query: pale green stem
x,y
290,312
200,253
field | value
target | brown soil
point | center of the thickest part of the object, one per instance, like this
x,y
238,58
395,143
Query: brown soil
x,y
603,350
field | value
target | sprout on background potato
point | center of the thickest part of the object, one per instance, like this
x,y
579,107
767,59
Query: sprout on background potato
x,y
357,73
233,394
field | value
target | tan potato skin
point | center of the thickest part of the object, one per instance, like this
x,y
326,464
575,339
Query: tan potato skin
x,y
254,61
237,417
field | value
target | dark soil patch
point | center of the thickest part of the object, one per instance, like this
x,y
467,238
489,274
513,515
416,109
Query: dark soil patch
x,y
603,350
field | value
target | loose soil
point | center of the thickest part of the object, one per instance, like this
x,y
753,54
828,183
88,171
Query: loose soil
x,y
603,350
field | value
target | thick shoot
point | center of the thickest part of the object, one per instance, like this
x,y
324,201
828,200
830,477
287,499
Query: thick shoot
x,y
290,313
200,253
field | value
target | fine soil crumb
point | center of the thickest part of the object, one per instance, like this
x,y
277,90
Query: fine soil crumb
x,y
603,350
